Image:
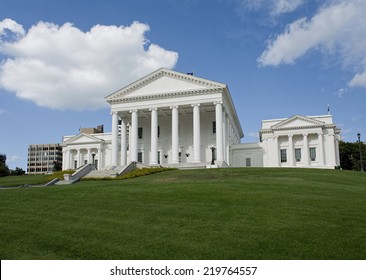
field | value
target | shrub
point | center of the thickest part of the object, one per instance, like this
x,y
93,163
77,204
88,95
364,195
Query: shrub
x,y
59,174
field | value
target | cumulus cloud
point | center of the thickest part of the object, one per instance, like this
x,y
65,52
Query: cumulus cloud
x,y
338,28
63,67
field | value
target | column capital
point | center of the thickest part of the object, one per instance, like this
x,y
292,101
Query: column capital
x,y
218,102
305,134
173,107
320,133
132,111
195,105
153,109
114,113
290,135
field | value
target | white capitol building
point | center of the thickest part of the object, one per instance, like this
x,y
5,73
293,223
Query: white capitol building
x,y
173,119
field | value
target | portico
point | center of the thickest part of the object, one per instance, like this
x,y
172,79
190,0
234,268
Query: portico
x,y
173,118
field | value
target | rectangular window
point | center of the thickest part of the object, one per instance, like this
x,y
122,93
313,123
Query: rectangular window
x,y
140,132
312,154
248,162
214,127
139,157
298,155
158,131
283,155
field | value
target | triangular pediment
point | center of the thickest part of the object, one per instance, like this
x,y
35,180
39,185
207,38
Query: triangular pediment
x,y
163,82
297,122
83,138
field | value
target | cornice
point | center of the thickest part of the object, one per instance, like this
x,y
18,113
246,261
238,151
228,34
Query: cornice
x,y
158,96
322,126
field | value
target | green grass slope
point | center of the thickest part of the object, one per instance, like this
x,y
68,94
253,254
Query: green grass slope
x,y
239,213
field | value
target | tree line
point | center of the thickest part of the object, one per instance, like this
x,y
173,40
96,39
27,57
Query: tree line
x,y
349,153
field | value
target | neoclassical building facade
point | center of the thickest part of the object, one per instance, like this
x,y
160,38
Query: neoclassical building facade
x,y
165,118
174,119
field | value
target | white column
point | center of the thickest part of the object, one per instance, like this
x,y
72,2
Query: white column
x,y
100,158
290,151
332,155
114,138
70,160
154,137
123,142
134,136
277,152
175,134
78,159
306,150
67,160
321,148
219,132
337,160
89,156
196,133
224,137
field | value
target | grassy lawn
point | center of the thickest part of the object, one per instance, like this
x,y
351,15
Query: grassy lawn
x,y
15,181
239,213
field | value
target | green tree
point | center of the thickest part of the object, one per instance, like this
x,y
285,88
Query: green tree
x,y
18,171
350,155
4,170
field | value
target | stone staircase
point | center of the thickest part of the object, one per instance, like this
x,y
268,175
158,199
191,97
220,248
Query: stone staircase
x,y
112,171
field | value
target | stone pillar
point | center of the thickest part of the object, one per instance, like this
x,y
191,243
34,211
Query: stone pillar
x,y
321,149
277,152
196,133
306,150
89,156
114,138
67,160
219,132
332,155
154,137
224,137
123,142
78,159
100,158
134,136
291,161
175,134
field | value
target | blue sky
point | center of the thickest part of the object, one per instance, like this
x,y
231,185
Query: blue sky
x,y
278,57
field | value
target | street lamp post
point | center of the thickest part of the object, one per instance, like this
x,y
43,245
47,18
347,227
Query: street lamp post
x,y
359,148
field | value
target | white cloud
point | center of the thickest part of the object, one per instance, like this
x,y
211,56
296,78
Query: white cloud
x,y
13,158
285,6
11,26
273,7
359,80
62,67
254,135
338,28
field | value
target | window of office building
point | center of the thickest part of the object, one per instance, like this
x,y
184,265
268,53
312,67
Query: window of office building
x,y
248,162
214,127
140,132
